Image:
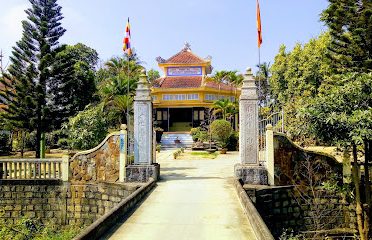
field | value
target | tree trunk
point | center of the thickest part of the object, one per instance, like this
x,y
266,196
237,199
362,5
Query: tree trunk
x,y
38,139
366,173
22,143
359,210
368,144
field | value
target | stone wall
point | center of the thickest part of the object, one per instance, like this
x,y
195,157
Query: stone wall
x,y
86,203
291,162
54,201
31,199
100,164
284,208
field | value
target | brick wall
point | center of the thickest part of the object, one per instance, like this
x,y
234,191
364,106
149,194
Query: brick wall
x,y
86,203
53,201
283,208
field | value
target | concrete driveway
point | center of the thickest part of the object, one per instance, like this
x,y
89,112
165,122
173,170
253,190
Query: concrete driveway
x,y
194,200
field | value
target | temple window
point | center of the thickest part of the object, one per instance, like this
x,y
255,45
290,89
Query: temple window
x,y
193,96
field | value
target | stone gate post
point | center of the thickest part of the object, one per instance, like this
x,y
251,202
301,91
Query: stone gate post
x,y
249,170
143,167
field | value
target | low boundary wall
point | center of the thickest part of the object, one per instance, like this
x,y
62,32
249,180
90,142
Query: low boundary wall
x,y
108,220
260,229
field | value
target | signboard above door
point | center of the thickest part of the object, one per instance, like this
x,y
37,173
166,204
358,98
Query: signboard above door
x,y
184,71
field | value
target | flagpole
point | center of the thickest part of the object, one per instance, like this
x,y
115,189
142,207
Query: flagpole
x,y
128,116
259,76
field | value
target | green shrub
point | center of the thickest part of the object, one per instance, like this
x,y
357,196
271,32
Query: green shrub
x,y
158,148
24,229
233,141
198,134
221,131
87,129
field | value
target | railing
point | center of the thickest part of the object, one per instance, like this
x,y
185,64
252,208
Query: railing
x,y
277,121
31,168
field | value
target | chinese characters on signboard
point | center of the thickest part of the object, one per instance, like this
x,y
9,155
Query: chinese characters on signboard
x,y
184,71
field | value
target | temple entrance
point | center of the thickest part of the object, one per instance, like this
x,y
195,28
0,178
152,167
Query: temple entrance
x,y
180,119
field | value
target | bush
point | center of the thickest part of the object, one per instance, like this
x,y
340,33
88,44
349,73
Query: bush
x,y
4,142
199,135
221,131
158,148
233,141
87,129
24,228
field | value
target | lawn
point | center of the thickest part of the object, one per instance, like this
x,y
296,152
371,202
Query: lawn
x,y
197,155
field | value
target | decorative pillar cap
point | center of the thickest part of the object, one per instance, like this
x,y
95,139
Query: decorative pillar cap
x,y
269,127
123,126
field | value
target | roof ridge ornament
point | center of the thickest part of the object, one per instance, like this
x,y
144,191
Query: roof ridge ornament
x,y
160,60
187,47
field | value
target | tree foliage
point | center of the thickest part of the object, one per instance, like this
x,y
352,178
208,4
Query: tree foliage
x,y
221,131
350,26
87,129
117,86
341,113
226,108
31,68
295,80
46,82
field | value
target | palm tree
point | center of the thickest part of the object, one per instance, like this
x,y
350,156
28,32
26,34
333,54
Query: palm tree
x,y
225,107
220,77
117,87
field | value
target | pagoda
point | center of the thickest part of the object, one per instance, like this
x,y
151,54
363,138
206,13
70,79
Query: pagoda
x,y
182,96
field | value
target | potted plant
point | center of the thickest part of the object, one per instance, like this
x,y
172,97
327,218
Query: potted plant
x,y
158,148
177,141
159,133
221,131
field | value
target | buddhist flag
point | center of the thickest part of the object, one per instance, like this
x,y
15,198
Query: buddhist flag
x,y
259,32
126,41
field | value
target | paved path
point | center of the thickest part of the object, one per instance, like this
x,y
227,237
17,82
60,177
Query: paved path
x,y
194,200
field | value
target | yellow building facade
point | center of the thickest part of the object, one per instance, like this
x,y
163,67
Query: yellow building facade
x,y
183,95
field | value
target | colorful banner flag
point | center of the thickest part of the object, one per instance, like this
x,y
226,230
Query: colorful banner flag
x,y
126,48
259,32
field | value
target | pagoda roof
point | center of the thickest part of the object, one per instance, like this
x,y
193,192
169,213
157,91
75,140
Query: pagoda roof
x,y
190,82
185,56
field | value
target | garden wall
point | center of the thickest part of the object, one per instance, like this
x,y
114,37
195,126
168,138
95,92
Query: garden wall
x,y
292,162
285,208
100,164
54,201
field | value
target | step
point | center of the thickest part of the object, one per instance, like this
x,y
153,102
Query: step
x,y
167,140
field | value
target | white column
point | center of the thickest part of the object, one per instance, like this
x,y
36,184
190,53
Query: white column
x,y
154,147
269,154
248,121
65,168
143,123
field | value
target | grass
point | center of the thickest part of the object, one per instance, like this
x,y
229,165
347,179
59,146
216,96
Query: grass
x,y
197,155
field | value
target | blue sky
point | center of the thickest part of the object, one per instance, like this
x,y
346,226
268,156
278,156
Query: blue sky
x,y
223,29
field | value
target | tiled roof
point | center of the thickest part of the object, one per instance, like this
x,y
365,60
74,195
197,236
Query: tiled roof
x,y
221,86
179,82
189,82
185,56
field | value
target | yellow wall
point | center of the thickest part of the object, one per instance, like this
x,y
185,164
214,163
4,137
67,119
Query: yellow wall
x,y
201,102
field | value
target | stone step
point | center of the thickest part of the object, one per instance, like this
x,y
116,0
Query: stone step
x,y
167,140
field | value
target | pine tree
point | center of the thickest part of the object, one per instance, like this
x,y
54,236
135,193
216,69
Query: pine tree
x,y
30,73
350,25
